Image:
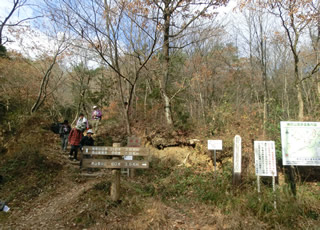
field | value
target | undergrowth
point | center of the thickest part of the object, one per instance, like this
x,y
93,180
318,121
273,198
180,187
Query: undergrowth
x,y
25,169
25,173
179,186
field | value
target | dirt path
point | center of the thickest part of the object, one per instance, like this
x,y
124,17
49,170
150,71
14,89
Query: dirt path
x,y
49,210
52,208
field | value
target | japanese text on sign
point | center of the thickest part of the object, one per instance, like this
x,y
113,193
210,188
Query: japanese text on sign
x,y
214,144
115,151
300,143
265,158
237,154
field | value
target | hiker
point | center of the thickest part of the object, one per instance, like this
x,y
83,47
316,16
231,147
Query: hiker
x,y
87,140
82,123
75,137
96,118
64,131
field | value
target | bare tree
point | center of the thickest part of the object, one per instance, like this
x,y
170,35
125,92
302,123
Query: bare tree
x,y
16,5
294,20
81,76
115,31
46,74
257,41
177,19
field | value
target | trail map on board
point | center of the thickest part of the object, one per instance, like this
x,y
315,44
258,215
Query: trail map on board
x,y
300,143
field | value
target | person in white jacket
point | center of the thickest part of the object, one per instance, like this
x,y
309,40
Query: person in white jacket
x,y
82,122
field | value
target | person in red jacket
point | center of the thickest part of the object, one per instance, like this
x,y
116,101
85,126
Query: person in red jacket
x,y
74,139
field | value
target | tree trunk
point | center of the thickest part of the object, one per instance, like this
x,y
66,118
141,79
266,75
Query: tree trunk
x,y
145,101
298,89
165,76
43,86
167,108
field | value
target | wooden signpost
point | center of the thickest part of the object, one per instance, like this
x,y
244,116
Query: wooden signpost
x,y
115,181
95,157
115,151
115,163
236,160
133,141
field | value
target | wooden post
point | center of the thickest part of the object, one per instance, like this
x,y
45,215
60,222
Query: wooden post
x,y
259,188
292,180
132,173
115,184
274,192
133,141
215,161
236,179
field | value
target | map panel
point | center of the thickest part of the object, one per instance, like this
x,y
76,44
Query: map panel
x,y
300,143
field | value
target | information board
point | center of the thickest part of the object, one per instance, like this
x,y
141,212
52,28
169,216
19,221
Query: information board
x,y
265,158
300,143
214,144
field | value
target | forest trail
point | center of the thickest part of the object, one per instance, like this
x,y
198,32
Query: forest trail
x,y
51,208
56,207
48,211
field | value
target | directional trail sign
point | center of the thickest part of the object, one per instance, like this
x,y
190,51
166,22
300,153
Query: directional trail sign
x,y
108,163
115,151
93,157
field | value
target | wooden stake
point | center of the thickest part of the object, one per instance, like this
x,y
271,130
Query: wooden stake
x,y
258,184
115,184
292,180
236,179
274,192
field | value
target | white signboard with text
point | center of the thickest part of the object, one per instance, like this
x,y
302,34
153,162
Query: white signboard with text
x,y
237,154
265,158
300,143
214,144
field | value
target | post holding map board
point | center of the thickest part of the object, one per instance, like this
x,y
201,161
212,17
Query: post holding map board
x,y
300,143
265,158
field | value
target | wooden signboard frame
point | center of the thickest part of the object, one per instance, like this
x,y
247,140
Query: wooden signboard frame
x,y
94,157
115,151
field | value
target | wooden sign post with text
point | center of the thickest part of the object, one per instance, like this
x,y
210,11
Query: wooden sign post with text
x,y
236,180
133,141
115,181
94,157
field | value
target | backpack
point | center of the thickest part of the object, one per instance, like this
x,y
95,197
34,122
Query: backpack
x,y
55,127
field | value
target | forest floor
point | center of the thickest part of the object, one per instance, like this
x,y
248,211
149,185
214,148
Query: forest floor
x,y
180,190
56,208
